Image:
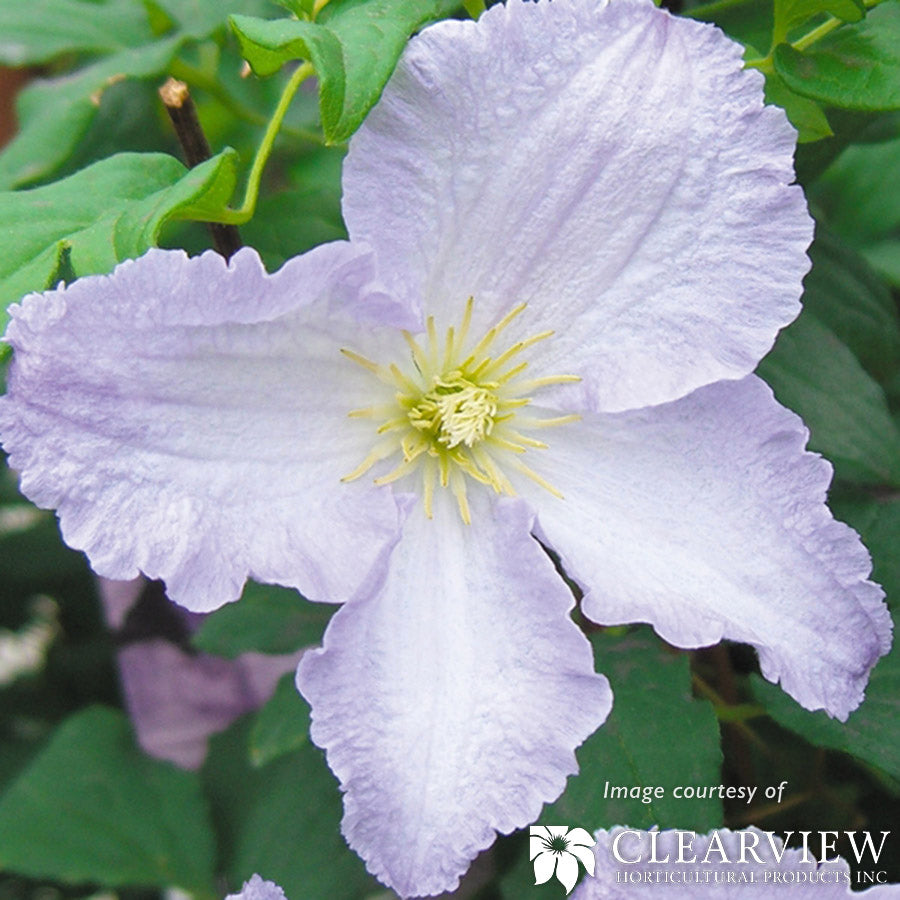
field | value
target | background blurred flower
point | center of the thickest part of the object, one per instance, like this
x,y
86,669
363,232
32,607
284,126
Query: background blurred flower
x,y
177,697
258,888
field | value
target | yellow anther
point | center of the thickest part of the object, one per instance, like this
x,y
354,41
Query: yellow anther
x,y
497,441
379,371
428,476
516,349
444,468
380,451
531,422
417,352
530,473
413,444
535,384
458,486
404,468
508,376
522,439
455,414
402,382
392,425
482,346
432,339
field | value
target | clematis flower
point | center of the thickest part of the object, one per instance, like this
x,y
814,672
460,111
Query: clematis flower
x,y
257,888
720,865
573,236
557,850
176,700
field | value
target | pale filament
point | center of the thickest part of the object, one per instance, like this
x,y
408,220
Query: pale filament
x,y
456,412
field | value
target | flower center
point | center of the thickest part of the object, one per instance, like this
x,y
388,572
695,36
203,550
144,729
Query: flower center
x,y
455,411
558,844
457,414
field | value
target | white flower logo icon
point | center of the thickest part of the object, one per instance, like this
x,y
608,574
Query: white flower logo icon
x,y
556,849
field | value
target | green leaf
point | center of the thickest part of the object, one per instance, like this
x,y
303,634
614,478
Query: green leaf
x,y
268,45
62,273
848,297
789,13
282,820
293,222
852,195
657,736
307,214
281,726
353,47
200,18
373,34
850,127
37,31
749,22
302,9
110,211
93,807
856,67
878,522
267,619
817,376
652,689
122,121
54,114
805,115
884,256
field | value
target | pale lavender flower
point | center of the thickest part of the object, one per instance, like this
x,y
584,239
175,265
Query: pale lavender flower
x,y
606,185
728,865
258,888
176,699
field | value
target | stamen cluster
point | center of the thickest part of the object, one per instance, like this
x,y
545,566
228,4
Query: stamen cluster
x,y
453,414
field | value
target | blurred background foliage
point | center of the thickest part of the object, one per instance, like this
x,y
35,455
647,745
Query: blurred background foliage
x,y
91,176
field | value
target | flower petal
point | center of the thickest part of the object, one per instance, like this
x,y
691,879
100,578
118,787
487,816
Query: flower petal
x,y
705,518
585,853
188,419
580,836
258,889
177,700
544,867
567,871
657,235
450,703
537,842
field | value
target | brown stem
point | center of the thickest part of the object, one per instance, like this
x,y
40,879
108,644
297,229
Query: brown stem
x,y
177,99
737,741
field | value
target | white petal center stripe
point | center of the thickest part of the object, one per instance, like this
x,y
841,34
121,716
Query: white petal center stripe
x,y
456,412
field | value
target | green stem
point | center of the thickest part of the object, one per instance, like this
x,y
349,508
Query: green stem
x,y
766,64
251,195
197,78
817,33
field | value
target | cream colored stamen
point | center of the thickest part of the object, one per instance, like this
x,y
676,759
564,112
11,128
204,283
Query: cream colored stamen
x,y
455,412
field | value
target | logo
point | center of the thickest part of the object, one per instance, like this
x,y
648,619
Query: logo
x,y
556,850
